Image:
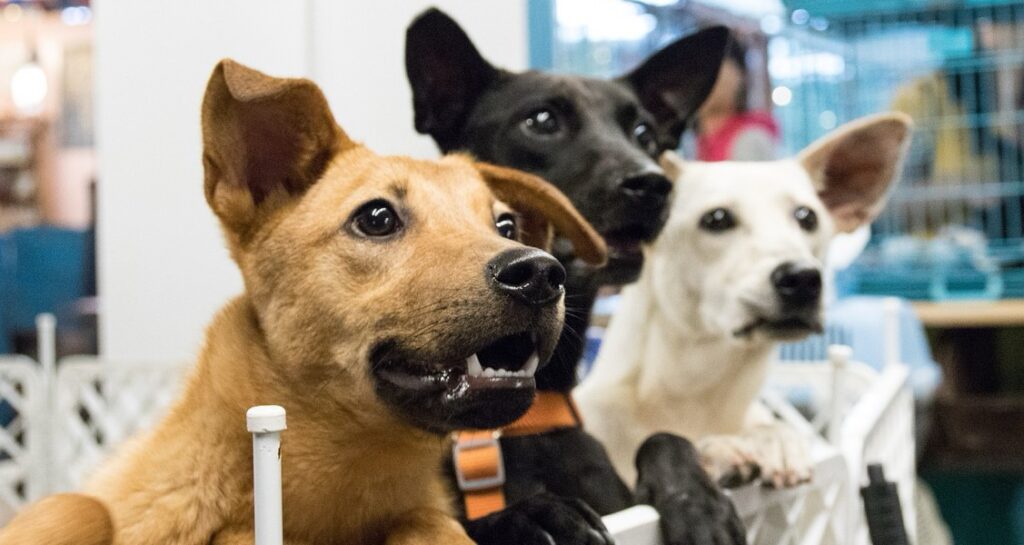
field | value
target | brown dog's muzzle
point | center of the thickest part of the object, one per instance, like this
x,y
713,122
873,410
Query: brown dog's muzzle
x,y
528,275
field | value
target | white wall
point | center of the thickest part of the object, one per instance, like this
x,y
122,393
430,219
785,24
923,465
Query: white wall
x,y
163,268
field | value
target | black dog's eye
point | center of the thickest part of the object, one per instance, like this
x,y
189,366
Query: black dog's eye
x,y
718,220
506,224
644,135
806,217
542,122
376,219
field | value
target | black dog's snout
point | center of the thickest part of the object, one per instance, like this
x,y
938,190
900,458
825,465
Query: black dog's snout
x,y
649,190
528,275
797,285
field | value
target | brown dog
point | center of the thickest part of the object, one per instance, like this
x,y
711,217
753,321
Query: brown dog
x,y
385,306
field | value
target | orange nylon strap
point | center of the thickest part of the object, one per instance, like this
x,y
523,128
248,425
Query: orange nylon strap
x,y
480,471
550,411
479,468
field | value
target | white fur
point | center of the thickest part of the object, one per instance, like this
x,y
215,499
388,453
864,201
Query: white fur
x,y
671,360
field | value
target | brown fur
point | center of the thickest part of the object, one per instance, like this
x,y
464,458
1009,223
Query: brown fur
x,y
283,178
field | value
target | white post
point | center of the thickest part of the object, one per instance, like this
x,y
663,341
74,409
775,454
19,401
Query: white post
x,y
266,422
46,346
838,355
891,309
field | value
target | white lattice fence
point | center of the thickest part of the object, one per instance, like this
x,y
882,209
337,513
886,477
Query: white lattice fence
x,y
98,405
62,424
880,431
22,435
813,514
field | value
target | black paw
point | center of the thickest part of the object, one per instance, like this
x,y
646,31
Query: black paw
x,y
693,510
544,519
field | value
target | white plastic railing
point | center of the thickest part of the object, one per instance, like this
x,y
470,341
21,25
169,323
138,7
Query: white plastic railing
x,y
68,418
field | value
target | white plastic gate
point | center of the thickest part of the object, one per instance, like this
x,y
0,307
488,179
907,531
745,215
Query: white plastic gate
x,y
68,416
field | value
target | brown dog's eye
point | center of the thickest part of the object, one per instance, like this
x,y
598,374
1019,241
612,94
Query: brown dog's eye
x,y
376,219
506,224
806,217
718,220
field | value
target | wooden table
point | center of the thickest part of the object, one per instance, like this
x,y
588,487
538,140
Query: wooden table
x,y
969,314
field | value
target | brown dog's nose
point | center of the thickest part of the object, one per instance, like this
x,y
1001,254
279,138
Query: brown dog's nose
x,y
528,275
797,285
647,190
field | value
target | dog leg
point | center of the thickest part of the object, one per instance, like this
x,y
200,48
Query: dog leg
x,y
693,510
781,453
243,537
730,460
425,527
542,519
62,519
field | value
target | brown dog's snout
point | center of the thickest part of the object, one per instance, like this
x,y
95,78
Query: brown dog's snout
x,y
528,275
797,285
648,190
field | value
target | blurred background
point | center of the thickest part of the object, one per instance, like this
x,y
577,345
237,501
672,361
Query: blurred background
x,y
102,221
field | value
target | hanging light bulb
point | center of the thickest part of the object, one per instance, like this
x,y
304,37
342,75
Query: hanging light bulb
x,y
29,87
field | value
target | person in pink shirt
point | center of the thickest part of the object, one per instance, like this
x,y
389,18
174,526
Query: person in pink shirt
x,y
727,128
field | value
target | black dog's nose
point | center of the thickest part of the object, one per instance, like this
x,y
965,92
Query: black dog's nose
x,y
797,285
527,274
649,190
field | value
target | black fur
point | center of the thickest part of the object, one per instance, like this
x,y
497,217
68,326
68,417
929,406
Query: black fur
x,y
603,163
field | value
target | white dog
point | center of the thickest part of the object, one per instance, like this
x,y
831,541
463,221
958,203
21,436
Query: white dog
x,y
736,270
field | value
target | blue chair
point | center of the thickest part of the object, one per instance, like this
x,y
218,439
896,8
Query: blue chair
x,y
50,273
6,290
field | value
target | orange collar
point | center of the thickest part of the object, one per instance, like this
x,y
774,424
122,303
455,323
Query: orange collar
x,y
476,454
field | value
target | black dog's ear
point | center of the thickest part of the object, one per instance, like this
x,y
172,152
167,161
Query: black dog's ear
x,y
673,83
447,75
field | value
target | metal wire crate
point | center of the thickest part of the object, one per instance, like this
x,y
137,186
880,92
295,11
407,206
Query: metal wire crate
x,y
953,227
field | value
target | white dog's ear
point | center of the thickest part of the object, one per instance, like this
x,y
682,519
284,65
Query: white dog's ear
x,y
854,166
672,164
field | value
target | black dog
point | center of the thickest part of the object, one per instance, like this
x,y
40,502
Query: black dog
x,y
598,141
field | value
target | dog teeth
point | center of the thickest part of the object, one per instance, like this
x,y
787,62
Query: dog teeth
x,y
473,366
475,369
531,366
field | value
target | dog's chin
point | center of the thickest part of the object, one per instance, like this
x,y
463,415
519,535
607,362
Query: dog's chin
x,y
625,253
781,328
490,386
625,261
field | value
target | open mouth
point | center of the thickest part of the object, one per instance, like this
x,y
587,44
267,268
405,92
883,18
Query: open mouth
x,y
787,327
509,362
511,357
625,243
486,386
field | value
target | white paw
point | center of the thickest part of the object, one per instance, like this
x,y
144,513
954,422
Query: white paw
x,y
782,454
730,460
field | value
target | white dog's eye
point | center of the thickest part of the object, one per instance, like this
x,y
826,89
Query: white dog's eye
x,y
718,220
506,224
806,217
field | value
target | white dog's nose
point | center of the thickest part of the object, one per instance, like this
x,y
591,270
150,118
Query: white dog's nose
x,y
797,285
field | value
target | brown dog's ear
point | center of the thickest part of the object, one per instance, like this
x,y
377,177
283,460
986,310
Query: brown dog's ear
x,y
854,166
541,206
264,139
